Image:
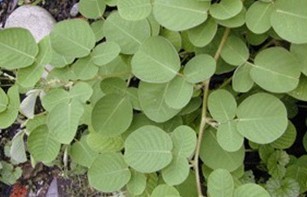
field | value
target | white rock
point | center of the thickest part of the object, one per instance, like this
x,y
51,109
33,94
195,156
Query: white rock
x,y
34,18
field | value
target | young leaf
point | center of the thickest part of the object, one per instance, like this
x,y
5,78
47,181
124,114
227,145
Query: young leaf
x,y
214,156
250,190
104,53
153,154
112,115
129,35
156,61
134,9
283,187
178,93
262,118
220,183
258,17
42,146
289,20
226,9
199,68
165,190
222,105
91,8
109,172
179,15
152,101
73,38
18,48
63,121
271,70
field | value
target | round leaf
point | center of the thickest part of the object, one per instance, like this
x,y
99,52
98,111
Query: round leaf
x,y
42,146
184,140
109,172
235,51
156,61
178,93
91,8
220,183
299,50
134,9
241,79
258,17
165,190
153,154
152,102
300,92
222,105
101,144
214,156
199,68
289,20
129,35
8,117
137,183
250,190
179,15
73,38
262,118
55,97
271,70
112,115
287,139
4,101
236,21
226,9
228,136
84,68
17,48
177,171
104,53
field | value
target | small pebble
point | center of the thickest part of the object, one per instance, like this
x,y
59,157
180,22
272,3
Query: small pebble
x,y
74,10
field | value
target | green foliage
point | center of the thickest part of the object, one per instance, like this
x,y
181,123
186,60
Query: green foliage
x,y
144,93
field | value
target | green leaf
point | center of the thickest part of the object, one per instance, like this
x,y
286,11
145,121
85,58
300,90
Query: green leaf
x,y
63,121
73,38
152,101
250,190
112,115
156,61
29,76
102,144
258,17
84,68
271,70
137,183
129,35
299,50
236,21
226,9
42,146
229,137
17,47
104,53
109,172
55,97
241,79
91,8
173,36
283,187
113,85
214,156
4,101
179,15
289,20
184,140
119,67
177,171
235,51
8,117
220,183
300,92
203,34
153,154
262,118
81,153
165,190
287,139
81,91
188,187
18,151
298,172
134,9
276,164
178,93
222,105
59,60
199,68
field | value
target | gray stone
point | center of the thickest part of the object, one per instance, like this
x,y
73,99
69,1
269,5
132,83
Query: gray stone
x,y
34,18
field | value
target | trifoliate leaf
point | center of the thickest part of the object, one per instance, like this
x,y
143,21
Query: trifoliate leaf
x,y
156,61
262,118
109,172
153,154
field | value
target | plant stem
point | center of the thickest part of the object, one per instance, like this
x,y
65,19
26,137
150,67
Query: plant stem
x,y
204,116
